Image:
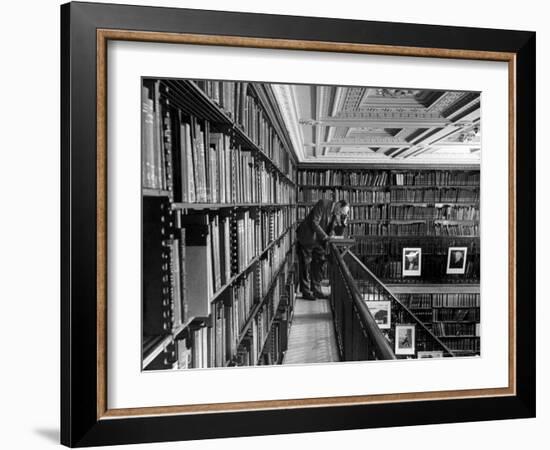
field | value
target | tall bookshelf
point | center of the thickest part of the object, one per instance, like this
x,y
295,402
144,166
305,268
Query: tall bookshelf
x,y
392,208
218,207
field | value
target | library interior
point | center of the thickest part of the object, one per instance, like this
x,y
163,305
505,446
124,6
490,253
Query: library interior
x,y
301,224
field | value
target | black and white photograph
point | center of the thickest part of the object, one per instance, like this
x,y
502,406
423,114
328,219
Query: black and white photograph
x,y
405,339
381,313
272,212
456,262
412,262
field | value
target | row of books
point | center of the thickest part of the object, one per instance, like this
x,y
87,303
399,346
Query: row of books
x,y
262,323
220,343
271,263
350,177
274,223
428,195
368,212
229,95
455,300
182,155
416,301
430,300
350,195
455,329
394,247
332,177
247,242
443,212
423,316
456,314
412,229
155,137
241,105
436,177
464,344
431,195
442,229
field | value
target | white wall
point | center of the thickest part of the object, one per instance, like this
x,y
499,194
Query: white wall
x,y
29,236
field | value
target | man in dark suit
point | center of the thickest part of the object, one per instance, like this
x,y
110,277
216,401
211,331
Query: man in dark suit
x,y
313,234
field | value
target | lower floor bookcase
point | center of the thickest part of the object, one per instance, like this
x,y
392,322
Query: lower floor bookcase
x,y
451,312
216,291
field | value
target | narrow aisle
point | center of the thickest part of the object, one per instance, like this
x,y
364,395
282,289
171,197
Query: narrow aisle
x,y
312,338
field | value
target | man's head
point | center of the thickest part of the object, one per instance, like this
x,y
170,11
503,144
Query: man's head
x,y
341,211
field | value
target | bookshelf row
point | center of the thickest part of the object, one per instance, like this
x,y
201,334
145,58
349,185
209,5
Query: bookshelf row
x,y
195,159
452,317
387,195
382,178
218,198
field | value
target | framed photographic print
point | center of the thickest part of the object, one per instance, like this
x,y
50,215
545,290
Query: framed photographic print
x,y
405,343
412,262
456,260
381,313
207,159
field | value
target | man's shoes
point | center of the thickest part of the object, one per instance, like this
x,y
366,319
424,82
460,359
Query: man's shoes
x,y
319,294
309,297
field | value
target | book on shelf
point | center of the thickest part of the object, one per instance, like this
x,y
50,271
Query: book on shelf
x,y
199,263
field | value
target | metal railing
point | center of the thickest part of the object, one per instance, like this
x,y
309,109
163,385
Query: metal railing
x,y
358,336
366,314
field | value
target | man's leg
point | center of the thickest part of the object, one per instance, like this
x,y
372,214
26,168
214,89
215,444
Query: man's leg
x,y
318,264
304,257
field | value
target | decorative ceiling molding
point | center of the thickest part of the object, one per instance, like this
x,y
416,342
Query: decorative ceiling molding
x,y
384,125
286,97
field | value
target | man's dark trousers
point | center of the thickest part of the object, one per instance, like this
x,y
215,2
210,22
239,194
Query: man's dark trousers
x,y
312,233
312,261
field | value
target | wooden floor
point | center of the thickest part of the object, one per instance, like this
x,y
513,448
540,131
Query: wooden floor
x,y
312,338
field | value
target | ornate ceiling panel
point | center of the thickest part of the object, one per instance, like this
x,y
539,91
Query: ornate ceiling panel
x,y
381,124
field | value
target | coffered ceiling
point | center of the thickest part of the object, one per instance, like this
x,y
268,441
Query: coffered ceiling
x,y
337,124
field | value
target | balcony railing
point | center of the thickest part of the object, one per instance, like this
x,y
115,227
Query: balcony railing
x,y
366,315
358,336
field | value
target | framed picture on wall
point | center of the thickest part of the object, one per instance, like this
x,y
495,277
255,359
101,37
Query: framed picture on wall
x,y
405,343
196,143
412,262
381,312
456,260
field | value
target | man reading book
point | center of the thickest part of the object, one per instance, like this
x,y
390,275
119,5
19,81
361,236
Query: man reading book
x,y
313,234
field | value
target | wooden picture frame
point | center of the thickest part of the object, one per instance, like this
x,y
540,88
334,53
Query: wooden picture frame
x,y
86,418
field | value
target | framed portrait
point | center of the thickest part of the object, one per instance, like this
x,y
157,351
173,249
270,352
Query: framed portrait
x,y
405,343
456,260
381,312
207,159
412,262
